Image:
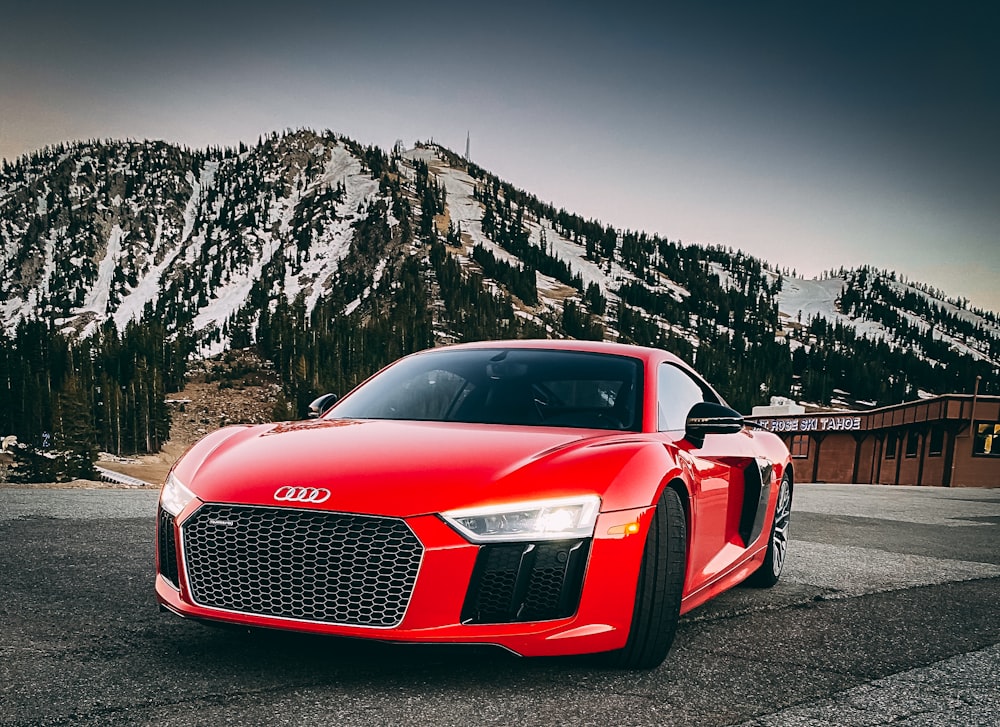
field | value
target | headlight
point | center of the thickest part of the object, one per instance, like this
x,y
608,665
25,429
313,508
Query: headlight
x,y
558,519
174,496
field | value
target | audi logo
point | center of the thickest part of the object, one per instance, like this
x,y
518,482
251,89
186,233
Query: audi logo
x,y
314,495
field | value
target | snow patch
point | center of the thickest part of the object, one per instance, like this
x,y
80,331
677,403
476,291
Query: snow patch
x,y
335,242
809,298
198,187
148,288
97,300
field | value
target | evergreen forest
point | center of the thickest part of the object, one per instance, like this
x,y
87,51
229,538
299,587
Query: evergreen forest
x,y
121,262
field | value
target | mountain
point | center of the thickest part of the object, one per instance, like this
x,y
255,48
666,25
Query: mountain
x,y
122,260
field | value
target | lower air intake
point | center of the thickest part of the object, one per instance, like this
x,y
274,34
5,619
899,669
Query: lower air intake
x,y
526,582
166,545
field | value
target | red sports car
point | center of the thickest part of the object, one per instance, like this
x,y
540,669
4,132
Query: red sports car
x,y
549,497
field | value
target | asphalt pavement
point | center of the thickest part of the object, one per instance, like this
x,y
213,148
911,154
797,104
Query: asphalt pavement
x,y
887,614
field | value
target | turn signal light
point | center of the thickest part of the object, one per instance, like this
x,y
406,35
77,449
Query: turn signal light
x,y
627,529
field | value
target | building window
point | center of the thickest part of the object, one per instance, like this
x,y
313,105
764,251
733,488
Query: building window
x,y
890,447
800,446
912,444
987,443
936,445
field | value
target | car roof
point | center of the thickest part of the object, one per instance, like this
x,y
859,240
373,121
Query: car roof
x,y
645,353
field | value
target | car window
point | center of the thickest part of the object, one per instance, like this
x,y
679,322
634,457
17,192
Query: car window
x,y
582,393
429,395
676,393
526,387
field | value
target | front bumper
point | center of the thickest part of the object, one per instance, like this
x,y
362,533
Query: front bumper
x,y
440,593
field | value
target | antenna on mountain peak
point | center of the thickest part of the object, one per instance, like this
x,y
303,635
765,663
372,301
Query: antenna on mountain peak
x,y
467,136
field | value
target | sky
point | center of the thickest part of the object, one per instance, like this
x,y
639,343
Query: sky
x,y
812,135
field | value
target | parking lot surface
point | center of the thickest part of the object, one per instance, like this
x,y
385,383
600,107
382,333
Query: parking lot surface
x,y
887,614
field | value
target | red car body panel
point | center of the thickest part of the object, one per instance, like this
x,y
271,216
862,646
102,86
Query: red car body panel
x,y
415,470
371,463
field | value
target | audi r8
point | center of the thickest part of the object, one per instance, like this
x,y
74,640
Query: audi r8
x,y
548,497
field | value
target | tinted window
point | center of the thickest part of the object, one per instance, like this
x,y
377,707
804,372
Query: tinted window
x,y
429,395
890,447
676,393
505,386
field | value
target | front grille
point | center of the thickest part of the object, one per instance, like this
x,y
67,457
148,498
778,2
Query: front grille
x,y
301,564
526,582
166,545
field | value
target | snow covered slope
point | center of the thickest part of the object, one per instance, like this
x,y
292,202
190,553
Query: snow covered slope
x,y
210,241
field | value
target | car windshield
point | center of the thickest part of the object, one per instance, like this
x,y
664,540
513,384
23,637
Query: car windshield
x,y
531,387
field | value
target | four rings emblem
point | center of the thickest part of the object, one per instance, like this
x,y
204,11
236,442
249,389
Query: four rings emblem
x,y
314,495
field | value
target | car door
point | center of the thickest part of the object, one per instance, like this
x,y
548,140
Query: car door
x,y
717,466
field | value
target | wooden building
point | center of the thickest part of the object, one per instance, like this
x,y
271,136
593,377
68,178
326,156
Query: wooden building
x,y
951,440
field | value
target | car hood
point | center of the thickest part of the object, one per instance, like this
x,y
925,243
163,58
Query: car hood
x,y
399,468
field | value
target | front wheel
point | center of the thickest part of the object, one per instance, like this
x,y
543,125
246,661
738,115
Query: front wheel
x,y
658,593
777,547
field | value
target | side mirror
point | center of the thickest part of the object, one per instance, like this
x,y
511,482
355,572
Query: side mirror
x,y
708,418
321,405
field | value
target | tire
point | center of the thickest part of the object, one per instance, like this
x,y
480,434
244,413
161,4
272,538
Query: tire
x,y
658,593
777,545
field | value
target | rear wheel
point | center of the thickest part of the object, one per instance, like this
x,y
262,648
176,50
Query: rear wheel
x,y
777,547
658,594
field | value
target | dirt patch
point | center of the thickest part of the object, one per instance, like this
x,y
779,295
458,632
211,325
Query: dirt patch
x,y
235,388
442,222
152,468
